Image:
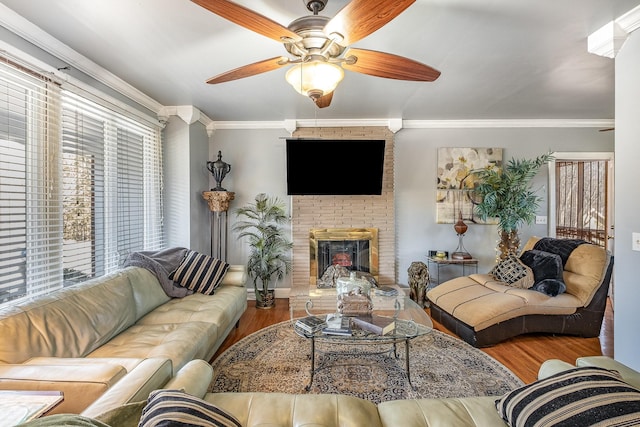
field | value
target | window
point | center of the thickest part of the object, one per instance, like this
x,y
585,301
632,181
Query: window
x,y
581,200
80,186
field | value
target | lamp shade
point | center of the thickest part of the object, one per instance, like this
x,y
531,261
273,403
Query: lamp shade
x,y
315,78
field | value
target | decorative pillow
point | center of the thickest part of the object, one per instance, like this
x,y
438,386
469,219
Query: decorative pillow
x,y
545,266
200,272
513,272
551,287
169,408
576,397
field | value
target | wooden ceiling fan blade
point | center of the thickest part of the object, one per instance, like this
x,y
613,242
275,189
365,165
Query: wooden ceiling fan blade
x,y
360,18
325,100
248,18
387,65
250,70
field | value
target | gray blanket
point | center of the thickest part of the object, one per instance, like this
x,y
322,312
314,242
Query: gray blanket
x,y
161,264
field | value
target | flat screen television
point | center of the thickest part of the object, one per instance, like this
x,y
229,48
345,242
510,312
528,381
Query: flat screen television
x,y
335,167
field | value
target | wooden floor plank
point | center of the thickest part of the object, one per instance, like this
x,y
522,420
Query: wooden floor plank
x,y
522,355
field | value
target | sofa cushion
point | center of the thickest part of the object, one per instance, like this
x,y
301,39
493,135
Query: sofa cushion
x,y
147,291
175,407
308,410
179,342
200,272
81,384
459,412
547,271
579,396
513,272
70,322
584,271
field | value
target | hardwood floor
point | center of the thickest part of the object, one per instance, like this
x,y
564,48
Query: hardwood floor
x,y
522,355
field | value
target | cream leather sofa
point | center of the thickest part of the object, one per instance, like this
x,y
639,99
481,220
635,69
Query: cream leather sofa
x,y
329,410
116,337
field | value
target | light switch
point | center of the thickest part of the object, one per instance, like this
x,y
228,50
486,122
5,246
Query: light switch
x,y
541,219
635,245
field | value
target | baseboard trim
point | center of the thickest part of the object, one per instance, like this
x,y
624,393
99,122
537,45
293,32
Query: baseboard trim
x,y
280,293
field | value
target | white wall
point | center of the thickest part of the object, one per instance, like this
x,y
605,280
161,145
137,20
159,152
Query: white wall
x,y
627,203
258,162
176,182
187,217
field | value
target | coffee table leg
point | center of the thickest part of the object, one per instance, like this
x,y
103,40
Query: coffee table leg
x,y
406,359
313,363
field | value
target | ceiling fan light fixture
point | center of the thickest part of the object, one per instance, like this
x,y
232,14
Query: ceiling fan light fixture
x,y
315,78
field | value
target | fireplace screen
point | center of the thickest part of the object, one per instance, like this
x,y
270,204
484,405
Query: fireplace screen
x,y
353,248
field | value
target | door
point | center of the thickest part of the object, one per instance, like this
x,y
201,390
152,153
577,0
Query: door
x,y
581,198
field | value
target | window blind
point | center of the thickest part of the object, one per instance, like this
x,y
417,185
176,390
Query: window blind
x,y
30,204
80,185
114,178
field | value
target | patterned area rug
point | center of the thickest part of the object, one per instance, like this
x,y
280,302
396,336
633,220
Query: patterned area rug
x,y
276,359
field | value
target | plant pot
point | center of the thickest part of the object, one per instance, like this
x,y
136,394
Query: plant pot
x,y
509,243
265,300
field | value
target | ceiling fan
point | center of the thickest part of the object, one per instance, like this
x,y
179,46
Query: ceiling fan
x,y
320,46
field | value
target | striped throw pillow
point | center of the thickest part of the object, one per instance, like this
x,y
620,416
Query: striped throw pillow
x,y
200,272
170,408
584,396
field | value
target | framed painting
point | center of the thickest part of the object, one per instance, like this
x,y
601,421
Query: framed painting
x,y
455,193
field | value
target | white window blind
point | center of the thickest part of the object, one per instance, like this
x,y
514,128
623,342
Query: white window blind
x,y
30,203
80,185
113,179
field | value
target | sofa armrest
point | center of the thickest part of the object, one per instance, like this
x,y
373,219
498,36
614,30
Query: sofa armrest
x,y
236,275
551,367
81,385
194,378
149,375
630,375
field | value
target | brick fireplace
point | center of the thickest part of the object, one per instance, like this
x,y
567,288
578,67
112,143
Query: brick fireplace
x,y
344,212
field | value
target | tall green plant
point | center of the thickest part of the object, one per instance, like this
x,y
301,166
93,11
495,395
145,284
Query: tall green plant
x,y
507,194
262,223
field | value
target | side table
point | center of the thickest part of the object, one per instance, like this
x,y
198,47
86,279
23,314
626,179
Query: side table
x,y
464,267
19,406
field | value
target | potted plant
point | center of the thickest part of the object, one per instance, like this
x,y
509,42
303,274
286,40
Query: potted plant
x,y
506,193
269,258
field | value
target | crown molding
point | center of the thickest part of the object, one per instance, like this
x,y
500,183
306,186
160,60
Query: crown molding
x,y
189,114
35,35
397,124
290,125
608,39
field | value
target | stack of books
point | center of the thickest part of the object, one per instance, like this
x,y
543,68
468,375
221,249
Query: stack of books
x,y
379,325
386,291
337,325
310,324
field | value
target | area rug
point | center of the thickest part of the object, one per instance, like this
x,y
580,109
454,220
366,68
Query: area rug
x,y
276,359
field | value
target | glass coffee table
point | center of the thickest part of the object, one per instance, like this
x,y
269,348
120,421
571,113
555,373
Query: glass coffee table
x,y
411,321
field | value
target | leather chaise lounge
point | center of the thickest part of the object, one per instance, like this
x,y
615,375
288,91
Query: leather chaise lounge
x,y
484,311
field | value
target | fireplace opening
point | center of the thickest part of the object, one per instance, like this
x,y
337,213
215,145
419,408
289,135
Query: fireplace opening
x,y
356,249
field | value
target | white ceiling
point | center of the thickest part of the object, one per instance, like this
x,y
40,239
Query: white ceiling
x,y
500,59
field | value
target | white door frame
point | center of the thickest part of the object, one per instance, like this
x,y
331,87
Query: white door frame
x,y
609,227
557,156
